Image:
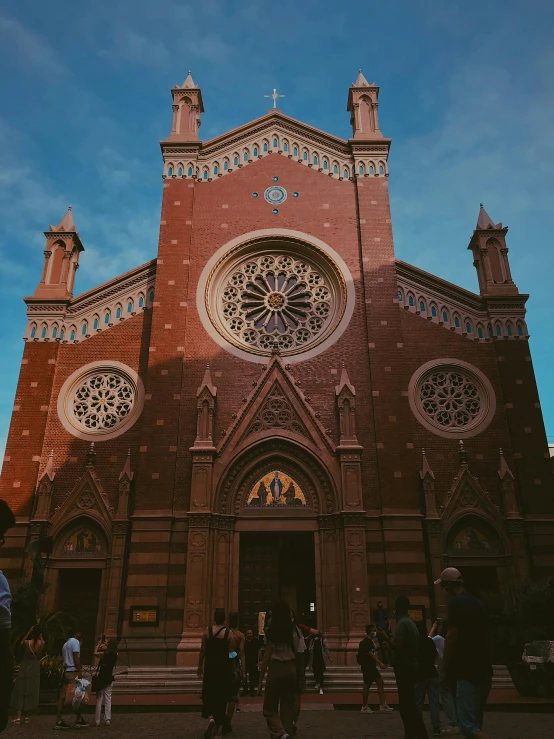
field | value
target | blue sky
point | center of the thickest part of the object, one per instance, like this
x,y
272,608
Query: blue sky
x,y
467,95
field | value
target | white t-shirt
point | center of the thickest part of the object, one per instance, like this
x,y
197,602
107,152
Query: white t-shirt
x,y
439,643
72,645
5,603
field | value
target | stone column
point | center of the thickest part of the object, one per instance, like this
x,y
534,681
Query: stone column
x,y
197,588
356,580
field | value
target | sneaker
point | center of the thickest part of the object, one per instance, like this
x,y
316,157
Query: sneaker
x,y
451,730
237,709
436,730
386,709
366,709
321,691
107,722
81,724
61,725
210,731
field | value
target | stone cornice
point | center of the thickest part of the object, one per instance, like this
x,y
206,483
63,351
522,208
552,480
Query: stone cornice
x,y
448,290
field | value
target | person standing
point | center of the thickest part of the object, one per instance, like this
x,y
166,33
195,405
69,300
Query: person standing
x,y
428,682
319,652
381,620
369,662
304,633
214,668
282,646
27,684
252,661
107,653
7,520
467,652
405,646
236,655
73,670
447,695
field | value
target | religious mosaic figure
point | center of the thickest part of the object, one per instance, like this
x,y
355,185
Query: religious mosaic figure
x,y
276,487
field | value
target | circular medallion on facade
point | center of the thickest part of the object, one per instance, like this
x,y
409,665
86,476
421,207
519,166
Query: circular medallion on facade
x,y
275,195
276,291
452,398
100,400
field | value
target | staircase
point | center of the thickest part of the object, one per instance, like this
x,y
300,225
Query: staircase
x,y
183,680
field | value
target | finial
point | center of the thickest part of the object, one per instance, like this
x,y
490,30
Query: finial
x,y
275,349
462,452
343,364
91,454
69,207
480,205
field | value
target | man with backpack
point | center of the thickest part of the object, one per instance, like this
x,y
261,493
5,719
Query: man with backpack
x,y
369,662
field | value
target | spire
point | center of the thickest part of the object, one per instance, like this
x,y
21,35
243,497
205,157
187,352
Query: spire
x,y
49,469
66,224
490,257
126,471
361,81
484,221
425,470
189,82
207,383
503,469
344,382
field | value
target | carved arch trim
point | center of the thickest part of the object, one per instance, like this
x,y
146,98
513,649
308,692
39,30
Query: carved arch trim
x,y
319,489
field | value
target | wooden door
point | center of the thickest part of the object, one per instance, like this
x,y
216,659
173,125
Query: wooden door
x,y
258,576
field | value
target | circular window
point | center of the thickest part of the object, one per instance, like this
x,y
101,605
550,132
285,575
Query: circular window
x,y
100,401
275,292
452,398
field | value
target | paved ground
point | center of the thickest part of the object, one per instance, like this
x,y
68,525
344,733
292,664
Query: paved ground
x,y
315,724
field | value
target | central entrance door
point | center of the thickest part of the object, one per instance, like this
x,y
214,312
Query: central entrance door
x,y
276,566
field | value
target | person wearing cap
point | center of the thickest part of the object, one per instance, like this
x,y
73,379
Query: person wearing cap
x,y
467,652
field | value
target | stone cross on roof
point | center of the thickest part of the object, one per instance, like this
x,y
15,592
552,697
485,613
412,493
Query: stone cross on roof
x,y
274,96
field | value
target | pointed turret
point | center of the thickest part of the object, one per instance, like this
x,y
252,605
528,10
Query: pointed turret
x,y
187,108
428,481
344,382
44,489
362,106
346,403
61,260
490,257
508,487
189,82
124,487
66,224
361,80
205,403
484,221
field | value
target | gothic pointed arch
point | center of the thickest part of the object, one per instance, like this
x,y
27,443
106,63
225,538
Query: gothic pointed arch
x,y
87,499
252,465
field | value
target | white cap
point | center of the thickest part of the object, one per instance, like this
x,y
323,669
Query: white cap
x,y
450,574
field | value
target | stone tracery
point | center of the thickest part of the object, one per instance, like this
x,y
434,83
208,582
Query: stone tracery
x,y
285,295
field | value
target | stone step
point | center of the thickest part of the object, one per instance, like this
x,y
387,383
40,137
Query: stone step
x,y
339,679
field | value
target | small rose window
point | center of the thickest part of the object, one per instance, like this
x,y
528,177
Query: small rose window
x,y
452,398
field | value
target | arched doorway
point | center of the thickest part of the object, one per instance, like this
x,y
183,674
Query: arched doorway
x,y
77,572
277,562
475,547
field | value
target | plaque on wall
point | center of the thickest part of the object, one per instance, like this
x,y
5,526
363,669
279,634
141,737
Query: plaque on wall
x,y
261,623
144,616
417,613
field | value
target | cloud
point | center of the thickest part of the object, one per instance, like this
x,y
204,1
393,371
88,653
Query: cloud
x,y
30,48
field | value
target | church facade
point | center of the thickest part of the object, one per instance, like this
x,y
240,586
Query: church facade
x,y
275,406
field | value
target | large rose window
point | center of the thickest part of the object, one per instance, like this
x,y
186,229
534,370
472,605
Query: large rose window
x,y
275,294
452,398
100,401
